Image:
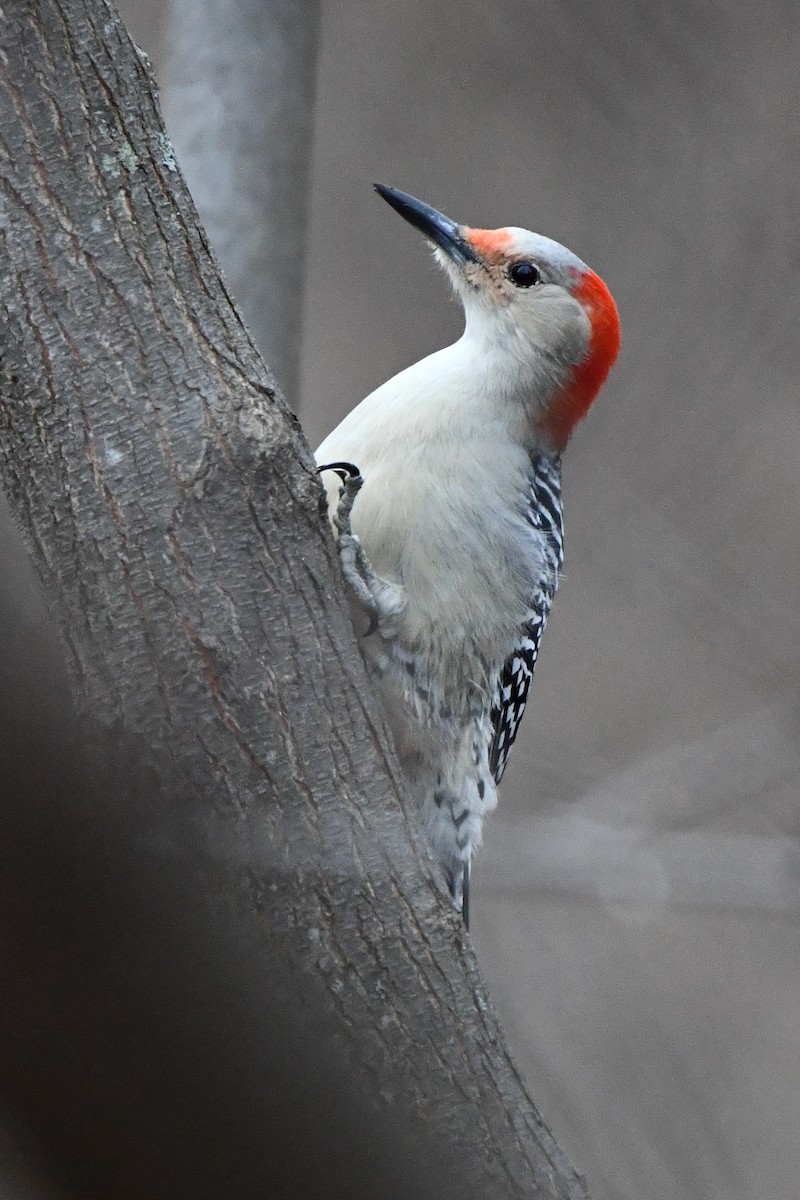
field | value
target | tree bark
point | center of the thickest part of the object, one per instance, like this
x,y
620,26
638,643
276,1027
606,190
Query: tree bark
x,y
242,850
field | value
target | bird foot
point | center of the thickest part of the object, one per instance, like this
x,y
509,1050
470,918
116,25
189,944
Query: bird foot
x,y
382,602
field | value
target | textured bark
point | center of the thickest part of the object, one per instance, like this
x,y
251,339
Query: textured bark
x,y
172,514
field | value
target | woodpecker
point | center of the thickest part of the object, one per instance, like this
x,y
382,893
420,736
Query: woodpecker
x,y
449,523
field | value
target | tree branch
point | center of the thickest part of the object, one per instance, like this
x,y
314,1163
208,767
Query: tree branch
x,y
237,93
172,513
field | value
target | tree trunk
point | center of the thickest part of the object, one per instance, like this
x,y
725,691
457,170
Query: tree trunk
x,y
237,92
233,926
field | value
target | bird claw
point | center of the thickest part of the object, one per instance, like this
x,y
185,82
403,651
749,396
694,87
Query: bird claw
x,y
382,602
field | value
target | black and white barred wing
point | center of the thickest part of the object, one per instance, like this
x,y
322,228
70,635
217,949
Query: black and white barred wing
x,y
545,516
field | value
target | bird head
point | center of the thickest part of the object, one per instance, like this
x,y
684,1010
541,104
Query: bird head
x,y
539,314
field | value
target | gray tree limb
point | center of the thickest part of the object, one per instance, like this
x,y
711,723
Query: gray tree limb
x,y
243,848
237,92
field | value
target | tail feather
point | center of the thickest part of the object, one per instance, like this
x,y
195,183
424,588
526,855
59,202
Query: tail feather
x,y
458,885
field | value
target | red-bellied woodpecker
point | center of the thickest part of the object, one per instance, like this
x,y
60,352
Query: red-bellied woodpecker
x,y
456,541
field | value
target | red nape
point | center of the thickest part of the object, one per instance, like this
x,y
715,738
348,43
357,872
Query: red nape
x,y
575,399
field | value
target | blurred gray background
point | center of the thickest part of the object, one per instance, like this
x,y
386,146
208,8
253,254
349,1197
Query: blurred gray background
x,y
636,904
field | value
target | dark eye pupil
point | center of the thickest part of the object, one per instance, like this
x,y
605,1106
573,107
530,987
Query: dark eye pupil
x,y
524,274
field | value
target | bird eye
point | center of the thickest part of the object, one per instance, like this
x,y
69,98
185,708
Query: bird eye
x,y
524,274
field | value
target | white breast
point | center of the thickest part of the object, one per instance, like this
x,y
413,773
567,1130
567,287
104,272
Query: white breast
x,y
442,509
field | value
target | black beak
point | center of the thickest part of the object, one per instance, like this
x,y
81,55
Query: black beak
x,y
435,225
